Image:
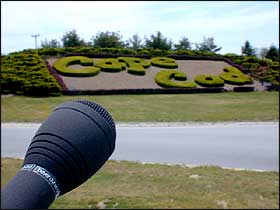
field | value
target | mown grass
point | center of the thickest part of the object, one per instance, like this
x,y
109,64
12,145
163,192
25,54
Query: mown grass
x,y
134,185
253,106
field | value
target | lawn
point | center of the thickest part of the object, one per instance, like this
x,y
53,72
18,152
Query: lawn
x,y
134,185
213,107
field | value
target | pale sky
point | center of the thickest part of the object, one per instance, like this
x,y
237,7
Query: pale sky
x,y
231,23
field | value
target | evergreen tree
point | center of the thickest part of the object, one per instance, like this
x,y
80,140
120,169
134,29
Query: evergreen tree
x,y
158,41
53,43
207,45
71,39
108,40
248,50
184,44
273,53
135,42
262,52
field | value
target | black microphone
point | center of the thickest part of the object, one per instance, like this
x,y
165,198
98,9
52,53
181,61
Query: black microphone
x,y
70,146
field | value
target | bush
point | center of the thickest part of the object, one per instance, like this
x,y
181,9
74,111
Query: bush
x,y
164,79
158,52
26,73
132,61
164,62
235,77
136,70
209,81
62,66
136,65
143,52
110,65
231,69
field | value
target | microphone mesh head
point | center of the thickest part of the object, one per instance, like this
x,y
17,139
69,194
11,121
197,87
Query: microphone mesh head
x,y
101,111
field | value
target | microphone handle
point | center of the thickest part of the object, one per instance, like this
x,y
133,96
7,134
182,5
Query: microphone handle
x,y
27,190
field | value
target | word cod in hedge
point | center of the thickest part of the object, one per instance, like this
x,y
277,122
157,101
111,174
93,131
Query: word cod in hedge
x,y
136,66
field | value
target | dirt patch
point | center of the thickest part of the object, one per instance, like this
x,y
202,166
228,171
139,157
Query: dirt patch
x,y
124,80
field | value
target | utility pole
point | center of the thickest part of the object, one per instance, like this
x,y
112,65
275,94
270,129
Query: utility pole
x,y
35,36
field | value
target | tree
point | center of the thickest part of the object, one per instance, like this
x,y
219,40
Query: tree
x,y
262,52
273,53
53,43
184,44
248,50
71,39
207,45
135,42
108,40
158,41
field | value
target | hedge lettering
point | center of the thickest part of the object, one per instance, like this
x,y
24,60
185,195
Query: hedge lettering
x,y
165,78
62,66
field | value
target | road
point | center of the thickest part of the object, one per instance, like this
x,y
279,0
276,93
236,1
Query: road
x,y
249,145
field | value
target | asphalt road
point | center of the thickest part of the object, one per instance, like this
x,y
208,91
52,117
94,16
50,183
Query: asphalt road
x,y
249,146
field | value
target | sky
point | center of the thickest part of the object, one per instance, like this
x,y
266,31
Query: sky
x,y
231,23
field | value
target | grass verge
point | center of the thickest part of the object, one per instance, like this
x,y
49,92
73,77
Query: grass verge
x,y
134,185
214,107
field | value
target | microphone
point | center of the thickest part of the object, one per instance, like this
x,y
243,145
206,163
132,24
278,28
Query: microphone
x,y
70,146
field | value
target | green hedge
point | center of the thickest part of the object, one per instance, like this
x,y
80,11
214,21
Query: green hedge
x,y
110,65
136,70
164,62
143,51
261,69
209,81
231,69
25,73
136,66
234,76
62,66
132,61
165,78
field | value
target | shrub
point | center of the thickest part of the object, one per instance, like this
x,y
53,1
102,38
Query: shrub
x,y
136,70
110,65
158,52
164,62
135,65
209,81
144,52
164,79
231,69
26,73
62,66
132,61
233,76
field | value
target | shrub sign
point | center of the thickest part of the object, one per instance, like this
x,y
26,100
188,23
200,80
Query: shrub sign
x,y
209,81
62,66
164,62
136,66
110,65
233,76
164,79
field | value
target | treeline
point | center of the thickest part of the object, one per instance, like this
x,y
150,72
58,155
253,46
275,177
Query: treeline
x,y
155,41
